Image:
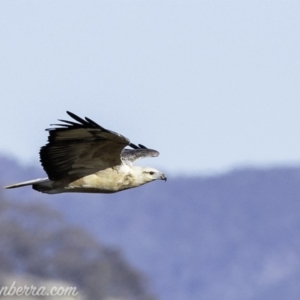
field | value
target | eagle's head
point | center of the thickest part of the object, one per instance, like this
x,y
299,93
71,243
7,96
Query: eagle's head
x,y
150,174
142,175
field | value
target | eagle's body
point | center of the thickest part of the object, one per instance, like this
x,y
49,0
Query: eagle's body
x,y
85,157
110,180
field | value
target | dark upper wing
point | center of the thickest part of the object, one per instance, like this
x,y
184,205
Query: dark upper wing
x,y
76,149
140,151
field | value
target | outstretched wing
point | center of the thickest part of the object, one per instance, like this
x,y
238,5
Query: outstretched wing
x,y
140,151
78,149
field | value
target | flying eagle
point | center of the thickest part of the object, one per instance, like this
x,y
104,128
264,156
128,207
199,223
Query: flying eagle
x,y
84,157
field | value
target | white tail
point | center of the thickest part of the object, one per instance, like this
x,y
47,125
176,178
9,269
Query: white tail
x,y
24,183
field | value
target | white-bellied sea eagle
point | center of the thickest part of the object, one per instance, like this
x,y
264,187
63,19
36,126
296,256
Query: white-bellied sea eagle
x,y
84,157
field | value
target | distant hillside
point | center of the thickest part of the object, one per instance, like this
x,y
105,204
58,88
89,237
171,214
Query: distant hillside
x,y
233,236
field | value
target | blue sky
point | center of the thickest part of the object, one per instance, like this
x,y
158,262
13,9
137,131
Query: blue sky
x,y
212,85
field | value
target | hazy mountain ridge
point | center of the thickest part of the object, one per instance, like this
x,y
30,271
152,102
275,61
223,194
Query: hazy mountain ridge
x,y
232,236
38,247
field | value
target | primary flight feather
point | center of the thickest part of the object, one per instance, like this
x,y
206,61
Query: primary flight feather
x,y
83,156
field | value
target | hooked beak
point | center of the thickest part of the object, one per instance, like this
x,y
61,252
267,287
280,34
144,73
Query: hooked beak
x,y
163,177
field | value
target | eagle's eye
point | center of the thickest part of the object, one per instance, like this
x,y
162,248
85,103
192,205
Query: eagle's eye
x,y
151,172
